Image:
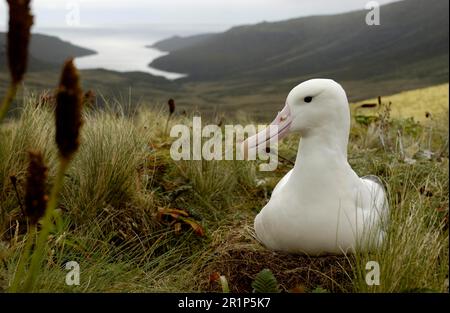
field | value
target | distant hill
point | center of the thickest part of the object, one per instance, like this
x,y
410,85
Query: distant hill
x,y
177,43
46,52
411,43
252,68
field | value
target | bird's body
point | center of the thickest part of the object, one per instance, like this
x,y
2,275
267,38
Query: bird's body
x,y
321,206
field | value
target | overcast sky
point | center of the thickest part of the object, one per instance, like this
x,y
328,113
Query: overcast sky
x,y
54,13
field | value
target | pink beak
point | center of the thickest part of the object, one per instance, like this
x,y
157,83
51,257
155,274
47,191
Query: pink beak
x,y
278,129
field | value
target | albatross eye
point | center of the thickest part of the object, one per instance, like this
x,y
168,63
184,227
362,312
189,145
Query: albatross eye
x,y
308,99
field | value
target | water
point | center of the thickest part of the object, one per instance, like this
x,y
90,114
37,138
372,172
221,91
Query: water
x,y
125,49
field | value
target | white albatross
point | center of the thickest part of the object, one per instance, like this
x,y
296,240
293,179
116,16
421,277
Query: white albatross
x,y
321,206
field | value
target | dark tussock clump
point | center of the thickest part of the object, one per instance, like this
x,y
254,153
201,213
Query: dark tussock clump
x,y
36,197
20,22
69,102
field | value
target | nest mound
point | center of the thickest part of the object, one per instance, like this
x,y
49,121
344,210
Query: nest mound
x,y
239,257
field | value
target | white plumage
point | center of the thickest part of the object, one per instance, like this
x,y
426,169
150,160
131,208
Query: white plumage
x,y
321,206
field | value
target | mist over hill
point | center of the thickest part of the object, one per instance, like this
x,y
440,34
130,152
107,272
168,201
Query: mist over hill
x,y
411,42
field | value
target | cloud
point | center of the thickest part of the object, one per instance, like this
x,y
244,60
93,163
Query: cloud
x,y
118,12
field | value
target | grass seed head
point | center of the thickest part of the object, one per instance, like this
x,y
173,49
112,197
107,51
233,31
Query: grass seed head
x,y
69,102
20,22
89,98
171,104
36,197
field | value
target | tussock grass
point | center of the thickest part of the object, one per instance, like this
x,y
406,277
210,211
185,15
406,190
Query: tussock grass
x,y
123,173
110,157
32,131
414,255
416,103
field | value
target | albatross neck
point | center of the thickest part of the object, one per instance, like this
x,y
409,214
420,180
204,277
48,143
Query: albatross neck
x,y
321,147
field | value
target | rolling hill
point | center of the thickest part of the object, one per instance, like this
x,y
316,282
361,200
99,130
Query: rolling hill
x,y
411,42
250,69
177,43
46,52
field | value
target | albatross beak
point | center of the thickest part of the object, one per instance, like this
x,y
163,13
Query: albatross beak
x,y
276,130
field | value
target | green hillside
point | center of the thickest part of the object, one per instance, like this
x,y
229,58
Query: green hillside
x,y
251,69
340,46
421,104
177,43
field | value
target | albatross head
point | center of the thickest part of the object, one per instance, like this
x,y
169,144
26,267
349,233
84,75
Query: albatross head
x,y
317,107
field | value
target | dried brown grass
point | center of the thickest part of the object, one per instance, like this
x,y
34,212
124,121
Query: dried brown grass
x,y
239,257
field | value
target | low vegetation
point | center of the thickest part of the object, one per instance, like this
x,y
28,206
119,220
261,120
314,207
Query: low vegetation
x,y
135,220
